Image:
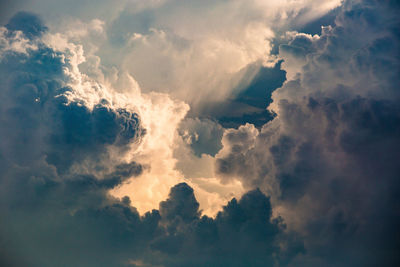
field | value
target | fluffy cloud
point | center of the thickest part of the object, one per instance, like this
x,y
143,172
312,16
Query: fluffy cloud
x,y
76,128
331,152
242,234
198,53
224,51
56,148
68,140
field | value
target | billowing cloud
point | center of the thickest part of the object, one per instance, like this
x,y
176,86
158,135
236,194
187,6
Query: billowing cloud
x,y
68,140
62,151
113,149
198,53
331,152
242,234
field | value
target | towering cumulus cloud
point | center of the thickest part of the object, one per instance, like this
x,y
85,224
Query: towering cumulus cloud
x,y
87,156
55,147
330,157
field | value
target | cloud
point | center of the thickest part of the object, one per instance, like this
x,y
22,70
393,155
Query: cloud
x,y
230,44
243,233
39,96
84,152
56,150
68,140
235,35
222,57
29,24
330,153
249,101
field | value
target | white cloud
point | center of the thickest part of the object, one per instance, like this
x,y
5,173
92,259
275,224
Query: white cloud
x,y
190,50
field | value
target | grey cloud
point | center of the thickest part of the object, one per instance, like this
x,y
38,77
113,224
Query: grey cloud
x,y
45,202
242,234
328,160
331,153
203,135
35,109
30,24
181,203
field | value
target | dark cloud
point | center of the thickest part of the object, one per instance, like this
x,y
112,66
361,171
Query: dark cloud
x,y
329,160
248,103
331,153
242,234
181,204
30,24
48,202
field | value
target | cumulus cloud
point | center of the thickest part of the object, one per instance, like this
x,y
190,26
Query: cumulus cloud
x,y
242,234
55,149
228,48
330,153
198,53
84,152
68,140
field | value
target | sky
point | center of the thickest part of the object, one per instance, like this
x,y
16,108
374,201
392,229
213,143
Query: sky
x,y
200,133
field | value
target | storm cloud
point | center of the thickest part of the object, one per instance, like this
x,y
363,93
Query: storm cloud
x,y
277,139
332,151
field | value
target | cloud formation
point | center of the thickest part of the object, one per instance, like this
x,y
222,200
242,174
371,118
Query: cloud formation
x,y
331,152
169,46
66,142
84,152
